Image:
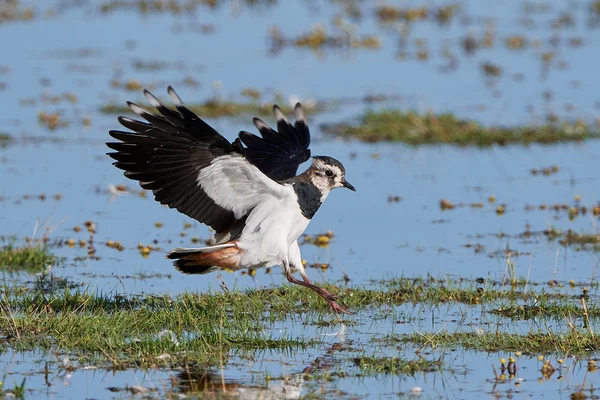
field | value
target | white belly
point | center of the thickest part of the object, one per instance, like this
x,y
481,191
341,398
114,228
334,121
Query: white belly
x,y
269,232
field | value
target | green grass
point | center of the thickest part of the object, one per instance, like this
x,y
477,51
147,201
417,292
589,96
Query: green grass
x,y
128,331
572,342
421,129
136,331
32,258
18,391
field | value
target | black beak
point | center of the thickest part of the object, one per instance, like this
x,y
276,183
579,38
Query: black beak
x,y
347,184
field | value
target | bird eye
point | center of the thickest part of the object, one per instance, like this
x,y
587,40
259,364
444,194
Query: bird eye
x,y
329,172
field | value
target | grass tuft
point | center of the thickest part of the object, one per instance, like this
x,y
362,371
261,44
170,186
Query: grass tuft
x,y
570,238
135,331
29,258
572,342
420,129
165,331
395,365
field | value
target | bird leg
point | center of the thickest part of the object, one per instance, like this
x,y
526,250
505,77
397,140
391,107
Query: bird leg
x,y
330,295
326,295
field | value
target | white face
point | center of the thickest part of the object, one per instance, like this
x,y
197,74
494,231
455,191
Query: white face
x,y
326,177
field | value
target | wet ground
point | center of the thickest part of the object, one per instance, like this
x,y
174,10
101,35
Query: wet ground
x,y
439,211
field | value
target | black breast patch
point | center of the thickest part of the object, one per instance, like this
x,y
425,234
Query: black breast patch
x,y
309,198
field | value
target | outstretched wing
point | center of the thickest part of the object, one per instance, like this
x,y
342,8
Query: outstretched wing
x,y
279,153
190,166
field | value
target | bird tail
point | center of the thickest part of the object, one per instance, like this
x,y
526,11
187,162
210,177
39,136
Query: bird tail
x,y
206,259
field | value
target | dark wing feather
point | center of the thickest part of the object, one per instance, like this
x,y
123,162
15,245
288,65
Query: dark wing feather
x,y
278,154
166,153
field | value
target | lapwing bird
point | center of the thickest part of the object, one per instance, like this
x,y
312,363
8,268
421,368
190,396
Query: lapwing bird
x,y
247,191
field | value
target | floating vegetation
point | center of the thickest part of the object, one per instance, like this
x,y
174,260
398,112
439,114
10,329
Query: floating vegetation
x,y
491,70
579,241
516,42
215,109
48,98
5,139
52,121
155,65
31,258
319,240
421,129
545,171
396,366
343,36
574,210
471,43
13,11
174,6
443,14
131,84
446,205
25,197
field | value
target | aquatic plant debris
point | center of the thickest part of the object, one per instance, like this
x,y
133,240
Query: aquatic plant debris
x,y
215,109
5,139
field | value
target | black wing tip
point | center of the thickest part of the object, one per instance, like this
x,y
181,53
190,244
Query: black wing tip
x,y
243,135
112,146
122,118
117,134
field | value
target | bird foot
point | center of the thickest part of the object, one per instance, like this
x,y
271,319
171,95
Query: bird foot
x,y
337,308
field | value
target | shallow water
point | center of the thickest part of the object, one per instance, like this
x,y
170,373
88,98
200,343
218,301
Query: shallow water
x,y
78,49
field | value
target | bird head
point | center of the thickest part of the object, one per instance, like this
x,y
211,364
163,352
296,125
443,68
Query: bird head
x,y
327,173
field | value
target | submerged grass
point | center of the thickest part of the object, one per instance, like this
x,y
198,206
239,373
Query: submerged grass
x,y
395,365
29,258
418,129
